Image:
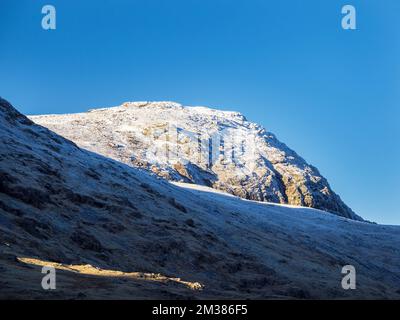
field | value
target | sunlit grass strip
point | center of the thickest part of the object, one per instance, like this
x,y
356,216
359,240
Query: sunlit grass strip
x,y
88,269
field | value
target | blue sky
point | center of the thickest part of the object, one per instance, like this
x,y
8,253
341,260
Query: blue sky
x,y
331,95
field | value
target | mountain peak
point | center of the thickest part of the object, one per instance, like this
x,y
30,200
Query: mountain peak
x,y
152,104
203,146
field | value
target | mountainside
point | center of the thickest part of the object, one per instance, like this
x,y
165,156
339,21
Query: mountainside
x,y
113,231
220,149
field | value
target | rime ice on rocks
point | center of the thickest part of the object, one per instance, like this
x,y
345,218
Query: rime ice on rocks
x,y
203,146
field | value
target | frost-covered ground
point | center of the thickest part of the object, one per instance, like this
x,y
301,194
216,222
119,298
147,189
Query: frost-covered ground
x,y
106,225
202,146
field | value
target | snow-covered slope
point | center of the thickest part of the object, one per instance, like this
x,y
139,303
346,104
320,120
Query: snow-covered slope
x,y
114,231
204,146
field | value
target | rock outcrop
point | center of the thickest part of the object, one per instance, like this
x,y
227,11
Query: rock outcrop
x,y
204,146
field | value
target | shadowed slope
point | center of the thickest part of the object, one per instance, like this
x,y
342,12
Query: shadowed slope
x,y
66,205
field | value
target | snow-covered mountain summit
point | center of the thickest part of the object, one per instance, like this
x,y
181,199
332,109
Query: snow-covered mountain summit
x,y
220,149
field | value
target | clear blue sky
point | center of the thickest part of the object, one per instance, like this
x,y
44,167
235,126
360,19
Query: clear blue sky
x,y
331,95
